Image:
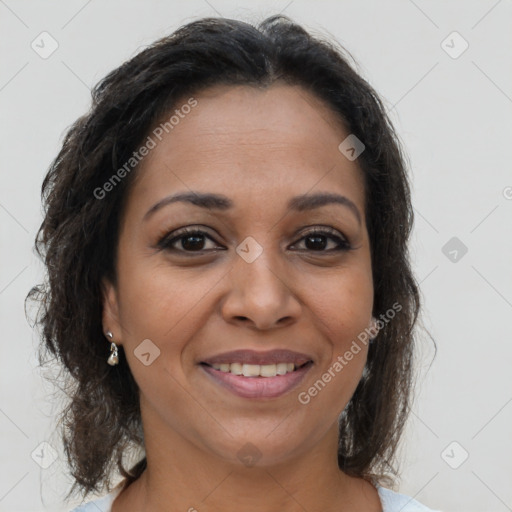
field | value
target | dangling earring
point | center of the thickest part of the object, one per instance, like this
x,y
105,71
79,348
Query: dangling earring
x,y
113,359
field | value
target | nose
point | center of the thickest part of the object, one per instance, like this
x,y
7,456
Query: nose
x,y
260,295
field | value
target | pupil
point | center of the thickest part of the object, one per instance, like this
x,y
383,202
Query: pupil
x,y
197,241
316,240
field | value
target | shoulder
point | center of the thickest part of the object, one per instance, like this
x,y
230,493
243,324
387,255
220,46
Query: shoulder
x,y
103,504
395,502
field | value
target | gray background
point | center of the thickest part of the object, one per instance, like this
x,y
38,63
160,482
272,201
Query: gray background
x,y
453,112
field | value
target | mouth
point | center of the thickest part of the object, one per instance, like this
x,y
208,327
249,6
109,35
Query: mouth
x,y
255,381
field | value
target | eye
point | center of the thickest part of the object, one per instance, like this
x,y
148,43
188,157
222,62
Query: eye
x,y
186,240
317,240
193,240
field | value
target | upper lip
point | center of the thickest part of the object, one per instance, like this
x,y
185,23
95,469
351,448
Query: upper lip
x,y
254,357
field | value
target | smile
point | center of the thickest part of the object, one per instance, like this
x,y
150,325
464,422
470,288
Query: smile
x,y
257,381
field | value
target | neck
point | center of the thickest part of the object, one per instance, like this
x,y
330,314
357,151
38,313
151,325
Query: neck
x,y
180,475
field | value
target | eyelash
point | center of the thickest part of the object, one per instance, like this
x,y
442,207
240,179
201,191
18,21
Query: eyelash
x,y
166,242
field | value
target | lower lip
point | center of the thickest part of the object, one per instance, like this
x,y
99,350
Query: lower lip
x,y
258,387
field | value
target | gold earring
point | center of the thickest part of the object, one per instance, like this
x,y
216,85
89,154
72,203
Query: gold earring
x,y
113,359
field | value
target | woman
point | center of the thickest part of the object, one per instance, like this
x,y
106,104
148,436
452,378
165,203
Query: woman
x,y
227,228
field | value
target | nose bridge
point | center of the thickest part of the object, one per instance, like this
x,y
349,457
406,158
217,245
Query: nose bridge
x,y
257,274
259,290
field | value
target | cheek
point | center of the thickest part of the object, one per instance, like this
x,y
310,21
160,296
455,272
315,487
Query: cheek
x,y
345,304
166,306
342,315
344,312
156,297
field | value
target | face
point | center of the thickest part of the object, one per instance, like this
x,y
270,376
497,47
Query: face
x,y
263,267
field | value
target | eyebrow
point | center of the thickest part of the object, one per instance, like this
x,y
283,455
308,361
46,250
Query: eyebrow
x,y
209,201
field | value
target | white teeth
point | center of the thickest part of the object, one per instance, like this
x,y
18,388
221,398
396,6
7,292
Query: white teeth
x,y
235,368
281,368
255,370
251,370
268,370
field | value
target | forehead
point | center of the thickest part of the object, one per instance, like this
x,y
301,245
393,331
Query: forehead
x,y
244,141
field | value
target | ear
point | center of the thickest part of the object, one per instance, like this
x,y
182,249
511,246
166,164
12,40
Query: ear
x,y
110,312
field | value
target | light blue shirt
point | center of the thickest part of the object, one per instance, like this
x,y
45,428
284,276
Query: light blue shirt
x,y
391,502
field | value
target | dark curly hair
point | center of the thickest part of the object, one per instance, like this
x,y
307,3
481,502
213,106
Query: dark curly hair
x,y
78,238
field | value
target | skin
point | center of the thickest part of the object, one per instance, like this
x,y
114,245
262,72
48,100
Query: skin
x,y
259,147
